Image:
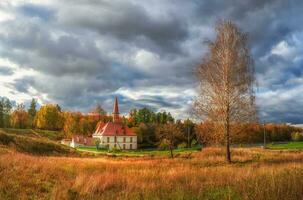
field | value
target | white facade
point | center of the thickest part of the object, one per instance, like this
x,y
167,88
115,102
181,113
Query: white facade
x,y
73,144
66,142
119,142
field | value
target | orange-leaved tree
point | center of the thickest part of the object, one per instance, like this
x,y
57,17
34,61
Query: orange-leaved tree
x,y
19,117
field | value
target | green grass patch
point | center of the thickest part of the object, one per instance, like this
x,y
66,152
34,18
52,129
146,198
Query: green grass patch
x,y
147,152
289,145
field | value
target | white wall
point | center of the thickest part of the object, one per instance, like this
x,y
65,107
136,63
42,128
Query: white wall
x,y
120,141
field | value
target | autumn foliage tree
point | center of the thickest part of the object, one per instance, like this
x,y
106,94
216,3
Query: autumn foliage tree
x,y
168,135
71,124
75,123
226,83
19,118
49,117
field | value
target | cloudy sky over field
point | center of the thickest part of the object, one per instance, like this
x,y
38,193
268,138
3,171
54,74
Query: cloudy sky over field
x,y
77,53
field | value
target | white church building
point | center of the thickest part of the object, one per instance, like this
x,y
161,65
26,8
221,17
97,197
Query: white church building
x,y
115,134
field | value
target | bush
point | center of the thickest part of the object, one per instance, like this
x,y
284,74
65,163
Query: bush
x,y
194,142
115,150
103,147
182,145
164,145
297,136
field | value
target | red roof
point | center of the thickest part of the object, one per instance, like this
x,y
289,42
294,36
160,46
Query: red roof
x,y
114,129
100,125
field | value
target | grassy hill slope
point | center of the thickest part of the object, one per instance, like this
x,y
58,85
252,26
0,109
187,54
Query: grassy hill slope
x,y
33,142
52,135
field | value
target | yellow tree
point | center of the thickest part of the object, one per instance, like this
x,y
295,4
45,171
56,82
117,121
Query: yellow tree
x,y
226,79
19,117
72,124
49,117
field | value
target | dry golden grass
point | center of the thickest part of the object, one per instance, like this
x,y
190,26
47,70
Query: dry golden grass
x,y
255,174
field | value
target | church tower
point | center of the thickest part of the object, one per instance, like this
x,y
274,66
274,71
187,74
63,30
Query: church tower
x,y
116,117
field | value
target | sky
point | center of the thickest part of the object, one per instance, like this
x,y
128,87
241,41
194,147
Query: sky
x,y
78,53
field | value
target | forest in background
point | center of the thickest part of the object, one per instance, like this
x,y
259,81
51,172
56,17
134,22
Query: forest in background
x,y
148,125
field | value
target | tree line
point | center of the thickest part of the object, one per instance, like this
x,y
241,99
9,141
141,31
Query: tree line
x,y
154,129
51,117
252,133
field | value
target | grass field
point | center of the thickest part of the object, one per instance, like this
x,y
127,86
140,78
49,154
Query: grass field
x,y
27,173
138,153
287,146
254,174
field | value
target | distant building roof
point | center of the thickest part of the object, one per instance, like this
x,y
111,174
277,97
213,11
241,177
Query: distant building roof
x,y
114,129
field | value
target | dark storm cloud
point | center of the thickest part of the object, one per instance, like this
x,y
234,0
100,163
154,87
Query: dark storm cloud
x,y
128,22
267,22
34,47
84,52
22,85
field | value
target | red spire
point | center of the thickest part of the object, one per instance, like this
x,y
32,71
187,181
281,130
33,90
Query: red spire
x,y
116,111
116,107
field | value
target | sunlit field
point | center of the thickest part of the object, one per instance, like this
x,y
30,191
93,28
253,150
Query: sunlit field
x,y
141,152
287,146
254,174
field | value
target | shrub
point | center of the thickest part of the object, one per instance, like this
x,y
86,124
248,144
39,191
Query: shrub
x,y
115,150
297,136
182,145
163,145
103,147
194,142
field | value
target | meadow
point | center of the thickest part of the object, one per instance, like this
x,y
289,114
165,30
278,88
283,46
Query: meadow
x,y
140,152
254,174
287,145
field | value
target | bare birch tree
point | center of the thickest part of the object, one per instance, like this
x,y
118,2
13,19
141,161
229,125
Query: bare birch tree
x,y
226,94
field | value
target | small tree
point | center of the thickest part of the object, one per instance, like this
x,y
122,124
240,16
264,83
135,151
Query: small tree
x,y
297,136
19,118
32,111
168,135
97,143
72,125
99,110
5,111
